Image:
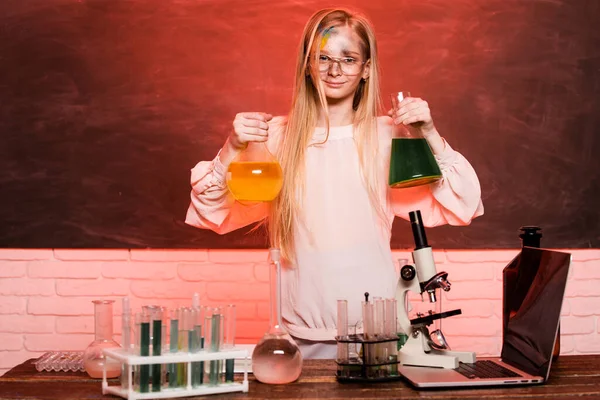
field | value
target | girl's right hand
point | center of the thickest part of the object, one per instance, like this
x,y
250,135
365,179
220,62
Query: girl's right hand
x,y
249,127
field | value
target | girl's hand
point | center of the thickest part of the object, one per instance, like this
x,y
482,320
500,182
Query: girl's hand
x,y
415,112
249,127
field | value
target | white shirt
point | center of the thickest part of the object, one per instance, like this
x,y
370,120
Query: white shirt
x,y
342,247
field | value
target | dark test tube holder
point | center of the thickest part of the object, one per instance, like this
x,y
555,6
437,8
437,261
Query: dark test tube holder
x,y
359,370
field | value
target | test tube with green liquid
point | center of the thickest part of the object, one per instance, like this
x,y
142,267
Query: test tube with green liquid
x,y
197,340
213,329
229,340
173,346
156,347
144,352
184,345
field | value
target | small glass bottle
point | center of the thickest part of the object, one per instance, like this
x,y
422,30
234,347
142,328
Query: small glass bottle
x,y
255,174
276,359
412,162
93,358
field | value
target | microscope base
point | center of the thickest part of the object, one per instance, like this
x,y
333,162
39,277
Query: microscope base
x,y
412,353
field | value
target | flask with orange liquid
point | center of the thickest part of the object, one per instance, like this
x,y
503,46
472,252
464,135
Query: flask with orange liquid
x,y
255,174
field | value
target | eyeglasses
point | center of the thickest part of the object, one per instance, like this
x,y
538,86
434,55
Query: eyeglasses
x,y
348,65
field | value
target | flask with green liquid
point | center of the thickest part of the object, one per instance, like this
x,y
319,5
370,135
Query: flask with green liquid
x,y
412,162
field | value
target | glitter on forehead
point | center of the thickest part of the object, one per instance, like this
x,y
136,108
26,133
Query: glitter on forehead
x,y
325,37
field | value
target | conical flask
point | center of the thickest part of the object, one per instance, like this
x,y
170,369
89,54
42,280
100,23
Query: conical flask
x,y
255,174
411,162
276,358
93,358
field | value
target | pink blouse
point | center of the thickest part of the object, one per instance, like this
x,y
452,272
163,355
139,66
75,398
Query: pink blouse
x,y
342,247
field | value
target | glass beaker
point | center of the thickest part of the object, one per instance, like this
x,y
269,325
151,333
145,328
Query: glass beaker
x,y
255,174
411,162
276,359
93,358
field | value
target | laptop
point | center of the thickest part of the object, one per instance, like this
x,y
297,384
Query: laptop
x,y
530,321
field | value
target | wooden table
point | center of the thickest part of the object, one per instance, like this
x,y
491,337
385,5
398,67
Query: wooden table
x,y
571,377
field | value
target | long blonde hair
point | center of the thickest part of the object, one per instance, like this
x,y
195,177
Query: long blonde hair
x,y
308,99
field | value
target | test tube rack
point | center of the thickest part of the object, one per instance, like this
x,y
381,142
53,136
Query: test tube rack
x,y
365,367
131,360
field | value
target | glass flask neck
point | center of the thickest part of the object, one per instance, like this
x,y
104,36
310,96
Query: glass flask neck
x,y
406,132
256,151
103,319
275,283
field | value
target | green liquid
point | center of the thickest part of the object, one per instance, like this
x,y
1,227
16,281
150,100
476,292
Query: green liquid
x,y
215,345
156,350
412,163
173,348
402,339
196,340
145,351
229,365
201,367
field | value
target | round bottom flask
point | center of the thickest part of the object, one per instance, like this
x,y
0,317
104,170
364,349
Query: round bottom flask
x,y
93,358
276,358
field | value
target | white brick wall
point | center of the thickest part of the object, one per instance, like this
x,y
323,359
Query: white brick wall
x,y
45,295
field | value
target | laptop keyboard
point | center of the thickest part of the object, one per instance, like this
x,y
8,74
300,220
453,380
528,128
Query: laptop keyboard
x,y
485,369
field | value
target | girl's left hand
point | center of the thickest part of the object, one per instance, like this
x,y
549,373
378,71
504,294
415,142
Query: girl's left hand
x,y
415,112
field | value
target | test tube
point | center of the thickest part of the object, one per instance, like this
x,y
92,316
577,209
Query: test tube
x,y
137,335
194,340
173,346
212,324
144,352
164,345
156,347
126,340
368,333
391,321
184,345
342,333
342,329
229,340
367,315
379,326
202,328
196,327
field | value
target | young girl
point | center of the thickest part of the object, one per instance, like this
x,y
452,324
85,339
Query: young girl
x,y
332,219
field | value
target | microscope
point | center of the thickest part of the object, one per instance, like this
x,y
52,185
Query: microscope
x,y
421,348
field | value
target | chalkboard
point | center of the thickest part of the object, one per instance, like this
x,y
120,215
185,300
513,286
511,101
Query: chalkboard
x,y
106,105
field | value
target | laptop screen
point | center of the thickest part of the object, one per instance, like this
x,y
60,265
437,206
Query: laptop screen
x,y
534,286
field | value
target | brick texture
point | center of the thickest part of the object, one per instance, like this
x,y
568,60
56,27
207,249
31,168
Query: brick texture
x,y
46,295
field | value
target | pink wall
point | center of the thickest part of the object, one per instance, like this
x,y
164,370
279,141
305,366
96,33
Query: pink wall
x,y
45,295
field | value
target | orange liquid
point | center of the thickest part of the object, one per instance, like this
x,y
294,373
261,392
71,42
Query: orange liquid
x,y
255,180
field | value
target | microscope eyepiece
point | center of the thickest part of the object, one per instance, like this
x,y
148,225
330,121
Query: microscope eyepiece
x,y
416,222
